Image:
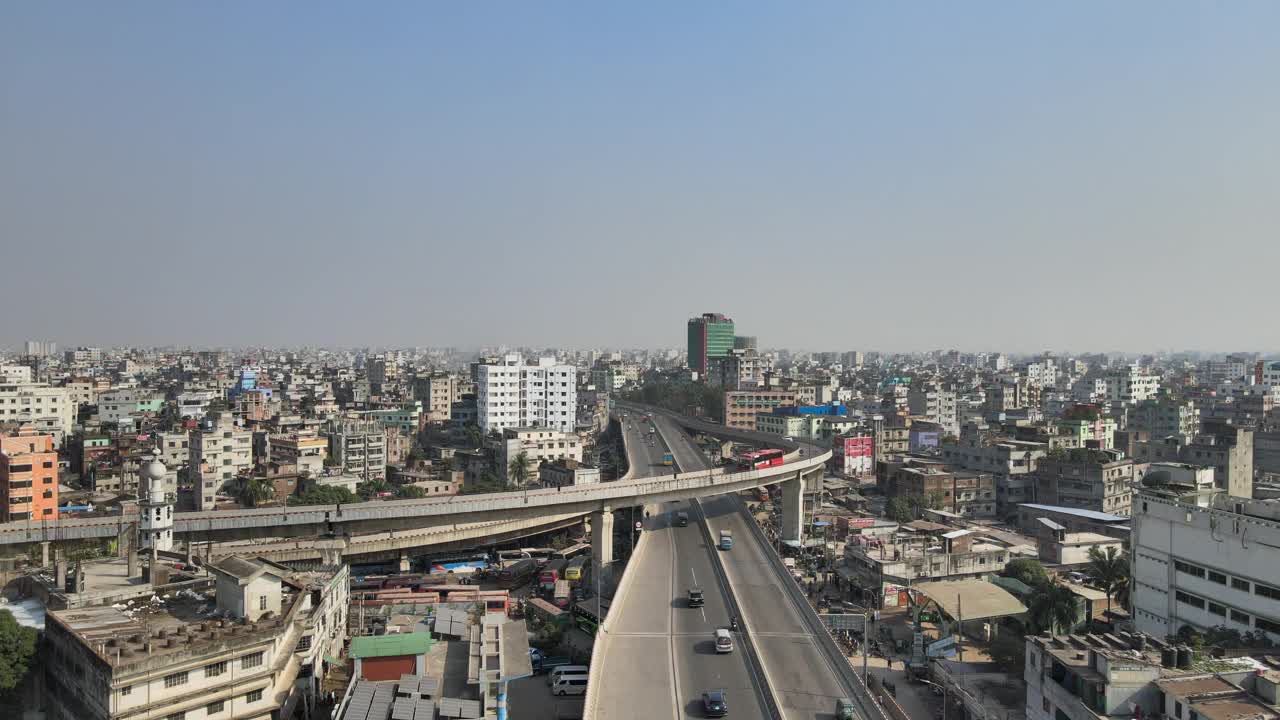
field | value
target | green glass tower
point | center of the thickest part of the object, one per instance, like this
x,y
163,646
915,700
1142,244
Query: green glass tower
x,y
710,339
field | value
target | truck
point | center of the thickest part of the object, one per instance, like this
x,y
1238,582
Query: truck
x,y
726,539
667,459
561,595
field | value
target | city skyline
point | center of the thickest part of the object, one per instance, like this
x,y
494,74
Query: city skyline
x,y
1079,176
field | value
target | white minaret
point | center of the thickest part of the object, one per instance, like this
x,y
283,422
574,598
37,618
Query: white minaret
x,y
155,524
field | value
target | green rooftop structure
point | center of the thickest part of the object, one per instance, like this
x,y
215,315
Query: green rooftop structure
x,y
390,645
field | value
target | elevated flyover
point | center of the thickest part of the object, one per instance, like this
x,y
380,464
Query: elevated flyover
x,y
452,512
798,670
655,655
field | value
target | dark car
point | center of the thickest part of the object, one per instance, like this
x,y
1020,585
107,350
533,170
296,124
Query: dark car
x,y
682,519
714,703
695,598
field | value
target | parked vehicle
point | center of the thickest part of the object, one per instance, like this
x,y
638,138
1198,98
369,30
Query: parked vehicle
x,y
570,685
517,573
556,673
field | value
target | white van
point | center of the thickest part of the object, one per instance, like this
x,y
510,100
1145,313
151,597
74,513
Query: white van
x,y
570,685
556,672
724,641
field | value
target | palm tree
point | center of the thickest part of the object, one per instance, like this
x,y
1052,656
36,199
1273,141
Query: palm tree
x,y
250,491
1110,572
518,469
1053,607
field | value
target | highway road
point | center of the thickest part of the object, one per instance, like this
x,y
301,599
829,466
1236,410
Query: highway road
x,y
796,667
661,654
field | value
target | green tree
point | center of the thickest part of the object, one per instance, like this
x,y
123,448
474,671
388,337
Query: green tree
x,y
252,491
1008,650
17,647
325,495
409,492
1053,608
899,510
373,488
1109,571
1028,571
518,468
475,437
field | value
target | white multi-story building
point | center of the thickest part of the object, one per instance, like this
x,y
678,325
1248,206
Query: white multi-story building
x,y
515,395
218,454
48,409
1206,566
935,405
1131,385
195,404
260,651
15,375
538,445
359,447
121,406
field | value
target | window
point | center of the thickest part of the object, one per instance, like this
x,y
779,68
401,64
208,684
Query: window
x,y
1240,617
1177,706
1191,600
250,661
1239,584
1266,591
1217,609
175,679
262,602
176,716
214,708
1188,568
1264,624
215,669
253,697
304,644
126,690
1218,577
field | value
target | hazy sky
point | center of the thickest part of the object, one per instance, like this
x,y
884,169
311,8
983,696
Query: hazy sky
x,y
845,175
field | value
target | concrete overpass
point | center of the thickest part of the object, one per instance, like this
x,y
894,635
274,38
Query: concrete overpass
x,y
650,648
454,514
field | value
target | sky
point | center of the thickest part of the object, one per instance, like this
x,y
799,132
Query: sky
x,y
832,175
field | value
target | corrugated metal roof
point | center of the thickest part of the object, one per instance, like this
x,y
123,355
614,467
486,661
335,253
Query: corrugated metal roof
x,y
1091,514
390,645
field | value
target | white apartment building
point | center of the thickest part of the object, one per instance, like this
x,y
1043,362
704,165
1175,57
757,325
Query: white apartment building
x,y
515,395
218,454
1205,566
195,404
1271,374
538,444
1131,385
176,662
15,375
359,447
49,409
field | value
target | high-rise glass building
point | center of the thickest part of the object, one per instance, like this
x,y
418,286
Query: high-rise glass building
x,y
710,340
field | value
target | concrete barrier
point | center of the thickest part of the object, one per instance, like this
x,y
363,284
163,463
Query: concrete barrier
x,y
601,644
836,658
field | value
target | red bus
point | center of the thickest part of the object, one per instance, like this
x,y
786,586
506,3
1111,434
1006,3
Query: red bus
x,y
761,459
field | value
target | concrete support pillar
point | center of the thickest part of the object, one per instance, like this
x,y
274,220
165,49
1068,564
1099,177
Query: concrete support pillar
x,y
793,509
188,546
331,551
134,569
602,543
60,572
44,553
